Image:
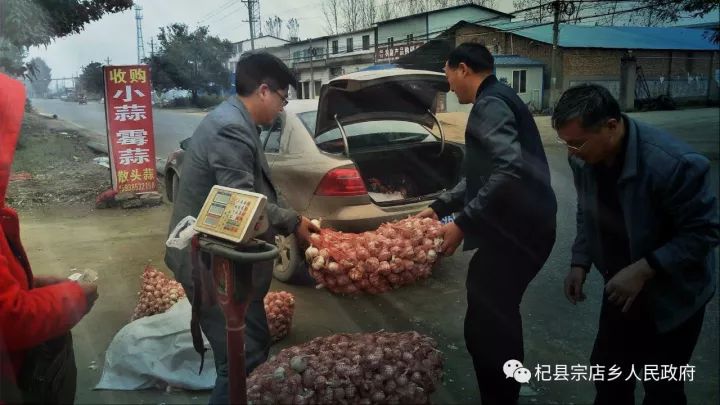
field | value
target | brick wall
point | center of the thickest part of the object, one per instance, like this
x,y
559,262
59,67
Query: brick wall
x,y
690,72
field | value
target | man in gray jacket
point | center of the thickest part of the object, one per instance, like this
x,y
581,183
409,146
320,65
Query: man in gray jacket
x,y
226,150
647,219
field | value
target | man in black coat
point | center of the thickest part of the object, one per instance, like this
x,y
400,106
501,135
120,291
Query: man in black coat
x,y
506,211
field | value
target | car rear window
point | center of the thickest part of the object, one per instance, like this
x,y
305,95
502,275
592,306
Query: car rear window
x,y
366,134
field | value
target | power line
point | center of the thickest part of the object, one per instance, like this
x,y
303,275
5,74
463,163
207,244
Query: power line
x,y
217,11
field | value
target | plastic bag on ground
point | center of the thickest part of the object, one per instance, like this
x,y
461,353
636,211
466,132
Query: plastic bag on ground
x,y
156,351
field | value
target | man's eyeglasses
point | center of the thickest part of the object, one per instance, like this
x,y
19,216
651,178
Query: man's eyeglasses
x,y
283,98
571,147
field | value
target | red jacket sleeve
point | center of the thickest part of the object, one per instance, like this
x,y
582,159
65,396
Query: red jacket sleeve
x,y
30,317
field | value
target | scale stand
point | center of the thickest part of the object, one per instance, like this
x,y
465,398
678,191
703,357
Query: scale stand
x,y
227,225
232,279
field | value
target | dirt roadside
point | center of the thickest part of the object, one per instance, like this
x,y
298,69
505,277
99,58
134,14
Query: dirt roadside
x,y
52,166
55,185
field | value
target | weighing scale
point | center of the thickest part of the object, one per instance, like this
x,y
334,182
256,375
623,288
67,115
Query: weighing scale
x,y
229,221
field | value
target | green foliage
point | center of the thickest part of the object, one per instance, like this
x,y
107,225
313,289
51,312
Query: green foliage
x,y
36,22
192,60
40,76
11,58
26,23
91,78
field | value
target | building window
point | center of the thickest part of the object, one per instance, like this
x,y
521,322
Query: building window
x,y
366,42
409,38
391,42
306,90
519,81
335,47
300,92
349,45
318,86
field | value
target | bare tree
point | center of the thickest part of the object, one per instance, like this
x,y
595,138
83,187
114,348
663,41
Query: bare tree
x,y
350,12
539,12
368,13
484,3
418,6
293,27
274,26
331,12
387,11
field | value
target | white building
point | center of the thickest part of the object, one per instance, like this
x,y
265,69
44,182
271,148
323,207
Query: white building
x,y
264,42
317,60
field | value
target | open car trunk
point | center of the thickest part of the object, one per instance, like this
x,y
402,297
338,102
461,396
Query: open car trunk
x,y
395,176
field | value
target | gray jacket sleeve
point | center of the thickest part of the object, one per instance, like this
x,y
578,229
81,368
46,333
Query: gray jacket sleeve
x,y
233,159
580,254
492,123
689,201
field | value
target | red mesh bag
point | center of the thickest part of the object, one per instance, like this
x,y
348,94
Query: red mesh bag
x,y
394,255
158,293
279,309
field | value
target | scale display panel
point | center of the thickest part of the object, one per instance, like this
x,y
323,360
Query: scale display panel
x,y
233,215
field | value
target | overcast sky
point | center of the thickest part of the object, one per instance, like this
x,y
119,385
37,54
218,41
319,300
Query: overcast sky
x,y
114,35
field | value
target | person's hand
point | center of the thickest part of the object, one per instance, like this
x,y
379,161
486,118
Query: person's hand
x,y
91,294
304,230
452,237
44,281
427,213
574,285
625,286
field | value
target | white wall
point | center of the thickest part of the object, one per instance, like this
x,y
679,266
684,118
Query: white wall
x,y
533,87
400,29
434,23
357,44
442,20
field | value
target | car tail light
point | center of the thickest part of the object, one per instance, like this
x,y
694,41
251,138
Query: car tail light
x,y
341,183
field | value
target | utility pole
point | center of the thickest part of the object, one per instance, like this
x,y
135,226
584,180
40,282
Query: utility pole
x,y
152,48
139,34
553,62
253,7
107,61
557,7
311,51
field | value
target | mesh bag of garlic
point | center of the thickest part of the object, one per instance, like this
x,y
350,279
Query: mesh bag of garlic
x,y
394,255
279,308
367,368
157,293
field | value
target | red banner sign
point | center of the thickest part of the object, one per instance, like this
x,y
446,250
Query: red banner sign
x,y
131,142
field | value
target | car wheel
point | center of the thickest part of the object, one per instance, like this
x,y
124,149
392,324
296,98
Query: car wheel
x,y
290,265
175,186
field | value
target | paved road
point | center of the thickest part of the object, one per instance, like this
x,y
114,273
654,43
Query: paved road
x,y
555,331
170,126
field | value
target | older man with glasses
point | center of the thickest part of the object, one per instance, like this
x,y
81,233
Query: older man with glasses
x,y
647,220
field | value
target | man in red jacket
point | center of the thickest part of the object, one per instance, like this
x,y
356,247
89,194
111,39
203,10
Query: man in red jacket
x,y
33,310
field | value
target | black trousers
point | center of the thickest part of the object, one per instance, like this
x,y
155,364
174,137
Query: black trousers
x,y
498,275
628,340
